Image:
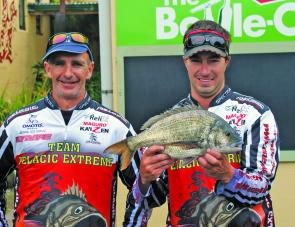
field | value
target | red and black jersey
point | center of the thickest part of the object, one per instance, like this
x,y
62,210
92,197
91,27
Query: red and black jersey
x,y
195,199
63,178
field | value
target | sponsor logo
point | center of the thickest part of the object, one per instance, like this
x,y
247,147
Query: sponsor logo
x,y
84,104
93,139
96,124
22,111
32,123
94,129
264,151
169,25
248,188
99,118
49,102
36,137
251,101
223,96
236,119
237,109
107,111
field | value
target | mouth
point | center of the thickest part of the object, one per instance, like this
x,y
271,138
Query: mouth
x,y
227,149
204,80
232,147
91,220
239,143
68,82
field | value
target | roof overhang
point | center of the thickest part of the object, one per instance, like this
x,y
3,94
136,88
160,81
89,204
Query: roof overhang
x,y
71,8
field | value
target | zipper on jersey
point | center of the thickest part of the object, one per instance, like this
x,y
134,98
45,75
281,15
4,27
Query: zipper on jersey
x,y
67,114
66,133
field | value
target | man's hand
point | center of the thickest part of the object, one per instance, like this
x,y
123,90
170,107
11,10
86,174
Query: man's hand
x,y
216,165
153,163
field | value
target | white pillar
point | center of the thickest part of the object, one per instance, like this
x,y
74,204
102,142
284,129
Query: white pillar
x,y
104,15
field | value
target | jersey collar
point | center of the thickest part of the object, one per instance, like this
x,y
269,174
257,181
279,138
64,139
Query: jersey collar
x,y
50,102
220,98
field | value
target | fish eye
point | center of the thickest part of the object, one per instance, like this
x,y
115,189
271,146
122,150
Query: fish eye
x,y
227,134
79,210
230,206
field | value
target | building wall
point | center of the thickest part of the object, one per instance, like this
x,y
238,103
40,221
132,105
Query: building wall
x,y
19,49
282,193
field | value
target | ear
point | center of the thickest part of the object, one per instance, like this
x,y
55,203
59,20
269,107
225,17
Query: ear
x,y
90,70
47,68
227,60
185,61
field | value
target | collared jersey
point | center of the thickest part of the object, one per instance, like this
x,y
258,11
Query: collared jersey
x,y
63,178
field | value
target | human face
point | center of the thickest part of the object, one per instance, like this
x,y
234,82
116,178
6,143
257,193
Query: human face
x,y
68,73
206,74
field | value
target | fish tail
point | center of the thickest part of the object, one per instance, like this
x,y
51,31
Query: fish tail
x,y
121,148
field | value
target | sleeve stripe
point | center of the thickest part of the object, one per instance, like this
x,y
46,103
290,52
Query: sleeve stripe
x,y
256,144
3,142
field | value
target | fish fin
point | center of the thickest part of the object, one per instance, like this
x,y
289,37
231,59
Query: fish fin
x,y
121,148
187,161
125,160
117,148
170,112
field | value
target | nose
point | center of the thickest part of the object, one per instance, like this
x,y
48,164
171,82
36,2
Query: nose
x,y
68,71
204,69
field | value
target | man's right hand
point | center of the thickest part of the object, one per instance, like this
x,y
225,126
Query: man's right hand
x,y
153,163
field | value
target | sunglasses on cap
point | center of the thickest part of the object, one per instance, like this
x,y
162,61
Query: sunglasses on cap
x,y
206,37
65,37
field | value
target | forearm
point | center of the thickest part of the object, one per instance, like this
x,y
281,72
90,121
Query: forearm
x,y
248,188
3,186
154,195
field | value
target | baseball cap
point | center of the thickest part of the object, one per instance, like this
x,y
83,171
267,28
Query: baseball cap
x,y
205,40
73,42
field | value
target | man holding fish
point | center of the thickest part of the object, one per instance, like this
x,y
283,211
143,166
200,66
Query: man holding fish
x,y
219,183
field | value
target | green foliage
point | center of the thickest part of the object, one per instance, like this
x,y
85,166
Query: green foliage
x,y
42,83
41,88
93,86
26,96
88,25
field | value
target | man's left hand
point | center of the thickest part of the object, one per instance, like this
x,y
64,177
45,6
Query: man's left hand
x,y
216,165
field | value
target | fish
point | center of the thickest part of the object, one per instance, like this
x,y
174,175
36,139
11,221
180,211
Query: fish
x,y
218,211
185,132
67,210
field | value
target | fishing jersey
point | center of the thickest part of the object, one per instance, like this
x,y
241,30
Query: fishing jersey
x,y
63,178
195,199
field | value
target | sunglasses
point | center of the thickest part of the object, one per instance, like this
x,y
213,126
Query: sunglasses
x,y
203,37
64,37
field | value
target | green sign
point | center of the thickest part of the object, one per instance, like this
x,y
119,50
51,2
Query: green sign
x,y
163,22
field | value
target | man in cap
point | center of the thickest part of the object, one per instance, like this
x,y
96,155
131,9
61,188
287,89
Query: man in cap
x,y
56,146
216,189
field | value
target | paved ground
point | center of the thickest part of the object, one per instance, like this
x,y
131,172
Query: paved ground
x,y
10,200
9,215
